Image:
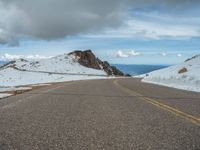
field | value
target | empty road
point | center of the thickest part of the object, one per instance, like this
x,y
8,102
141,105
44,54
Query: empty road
x,y
114,114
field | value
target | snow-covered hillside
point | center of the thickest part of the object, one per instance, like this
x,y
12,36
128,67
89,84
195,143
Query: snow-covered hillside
x,y
59,64
28,73
13,77
182,76
24,74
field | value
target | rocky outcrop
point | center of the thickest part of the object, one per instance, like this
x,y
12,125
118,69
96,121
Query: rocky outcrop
x,y
183,70
88,59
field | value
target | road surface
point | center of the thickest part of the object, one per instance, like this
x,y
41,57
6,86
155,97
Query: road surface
x,y
122,114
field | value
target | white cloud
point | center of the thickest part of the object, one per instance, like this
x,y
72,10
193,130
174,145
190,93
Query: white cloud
x,y
133,53
122,54
154,27
35,19
8,57
163,54
179,55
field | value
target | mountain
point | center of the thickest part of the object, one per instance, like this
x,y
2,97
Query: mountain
x,y
182,76
77,62
77,65
88,59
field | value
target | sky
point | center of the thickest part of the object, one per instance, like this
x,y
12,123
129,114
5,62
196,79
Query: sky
x,y
119,31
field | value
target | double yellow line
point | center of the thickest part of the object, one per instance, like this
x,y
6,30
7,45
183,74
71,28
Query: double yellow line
x,y
165,107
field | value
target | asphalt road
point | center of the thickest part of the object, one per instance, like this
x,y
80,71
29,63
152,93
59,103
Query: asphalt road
x,y
122,114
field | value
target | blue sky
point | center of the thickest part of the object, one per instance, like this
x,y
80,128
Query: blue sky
x,y
151,51
129,32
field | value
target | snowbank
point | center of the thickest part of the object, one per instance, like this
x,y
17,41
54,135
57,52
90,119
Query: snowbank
x,y
2,95
8,89
184,76
13,77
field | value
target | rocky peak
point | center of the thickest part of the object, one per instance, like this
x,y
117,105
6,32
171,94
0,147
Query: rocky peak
x,y
88,59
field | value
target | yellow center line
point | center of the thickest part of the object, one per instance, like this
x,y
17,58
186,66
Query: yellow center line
x,y
156,103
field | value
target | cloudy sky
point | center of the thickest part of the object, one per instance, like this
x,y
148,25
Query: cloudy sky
x,y
120,31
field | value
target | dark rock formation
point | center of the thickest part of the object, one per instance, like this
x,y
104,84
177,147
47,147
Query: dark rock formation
x,y
183,70
88,59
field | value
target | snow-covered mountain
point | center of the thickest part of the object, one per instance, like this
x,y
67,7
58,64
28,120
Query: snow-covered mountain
x,y
57,69
182,76
59,64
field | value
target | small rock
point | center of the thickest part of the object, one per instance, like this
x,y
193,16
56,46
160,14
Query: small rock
x,y
183,70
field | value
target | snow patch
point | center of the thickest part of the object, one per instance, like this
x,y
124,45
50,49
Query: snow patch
x,y
3,95
174,77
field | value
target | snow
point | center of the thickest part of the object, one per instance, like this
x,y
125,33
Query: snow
x,y
13,77
8,89
3,95
24,74
59,64
57,69
189,80
36,85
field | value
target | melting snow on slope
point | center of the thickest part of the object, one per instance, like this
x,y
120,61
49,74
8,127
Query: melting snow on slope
x,y
171,76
